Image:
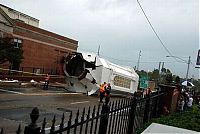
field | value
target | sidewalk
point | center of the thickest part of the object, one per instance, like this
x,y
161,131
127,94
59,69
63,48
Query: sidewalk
x,y
38,85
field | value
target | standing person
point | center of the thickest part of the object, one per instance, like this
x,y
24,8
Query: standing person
x,y
102,91
181,104
46,82
107,93
148,92
190,101
186,99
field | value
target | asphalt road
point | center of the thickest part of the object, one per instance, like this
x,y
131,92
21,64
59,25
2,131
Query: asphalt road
x,y
17,103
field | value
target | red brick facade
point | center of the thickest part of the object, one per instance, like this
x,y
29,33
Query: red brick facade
x,y
43,50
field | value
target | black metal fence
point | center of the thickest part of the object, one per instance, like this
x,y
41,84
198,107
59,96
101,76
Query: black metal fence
x,y
29,71
123,116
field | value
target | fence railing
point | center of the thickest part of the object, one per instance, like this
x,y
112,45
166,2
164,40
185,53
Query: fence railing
x,y
29,71
123,116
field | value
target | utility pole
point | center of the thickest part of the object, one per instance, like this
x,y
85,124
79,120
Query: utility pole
x,y
163,65
188,67
138,60
158,80
98,50
159,67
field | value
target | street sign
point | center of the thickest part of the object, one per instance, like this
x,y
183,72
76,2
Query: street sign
x,y
144,81
198,58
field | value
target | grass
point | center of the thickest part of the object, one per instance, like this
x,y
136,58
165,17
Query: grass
x,y
188,120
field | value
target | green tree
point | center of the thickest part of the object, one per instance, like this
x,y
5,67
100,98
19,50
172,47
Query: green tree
x,y
154,75
8,52
168,78
196,85
163,70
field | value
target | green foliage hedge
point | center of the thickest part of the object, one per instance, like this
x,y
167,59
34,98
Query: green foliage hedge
x,y
189,119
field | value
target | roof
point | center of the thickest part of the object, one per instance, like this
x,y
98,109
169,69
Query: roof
x,y
124,71
21,24
6,16
88,56
18,12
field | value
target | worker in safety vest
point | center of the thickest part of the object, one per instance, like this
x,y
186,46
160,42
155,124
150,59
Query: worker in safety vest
x,y
107,93
46,82
102,91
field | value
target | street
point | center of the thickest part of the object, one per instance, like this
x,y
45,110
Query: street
x,y
17,103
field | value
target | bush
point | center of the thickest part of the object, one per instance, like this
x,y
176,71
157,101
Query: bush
x,y
188,120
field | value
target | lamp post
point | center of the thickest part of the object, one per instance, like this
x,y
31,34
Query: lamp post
x,y
188,68
187,62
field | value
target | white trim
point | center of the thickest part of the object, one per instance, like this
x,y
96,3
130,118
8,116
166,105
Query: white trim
x,y
49,44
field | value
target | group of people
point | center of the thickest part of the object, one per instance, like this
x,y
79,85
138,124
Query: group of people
x,y
104,91
185,101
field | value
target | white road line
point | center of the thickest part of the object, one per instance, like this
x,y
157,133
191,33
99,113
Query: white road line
x,y
11,91
38,94
79,102
43,94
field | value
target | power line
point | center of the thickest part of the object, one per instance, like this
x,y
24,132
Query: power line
x,y
154,30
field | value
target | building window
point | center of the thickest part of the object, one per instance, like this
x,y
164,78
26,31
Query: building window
x,y
17,43
122,82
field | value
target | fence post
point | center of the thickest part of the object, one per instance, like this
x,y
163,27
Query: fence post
x,y
147,108
132,115
19,129
33,71
33,128
104,119
22,71
155,111
1,131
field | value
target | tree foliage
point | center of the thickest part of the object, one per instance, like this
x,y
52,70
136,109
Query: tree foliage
x,y
188,120
9,53
165,76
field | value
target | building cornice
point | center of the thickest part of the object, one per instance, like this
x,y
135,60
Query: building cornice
x,y
46,36
42,42
6,17
19,12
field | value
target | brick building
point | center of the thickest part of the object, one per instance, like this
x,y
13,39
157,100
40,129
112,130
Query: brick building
x,y
43,50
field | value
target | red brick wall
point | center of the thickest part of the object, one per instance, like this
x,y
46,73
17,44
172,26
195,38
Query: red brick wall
x,y
36,36
43,49
42,31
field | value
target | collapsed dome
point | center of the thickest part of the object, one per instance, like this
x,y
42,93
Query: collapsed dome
x,y
75,66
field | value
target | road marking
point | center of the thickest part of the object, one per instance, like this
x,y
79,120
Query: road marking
x,y
14,92
38,94
79,102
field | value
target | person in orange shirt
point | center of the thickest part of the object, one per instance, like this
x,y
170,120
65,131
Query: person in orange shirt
x,y
107,93
102,91
46,82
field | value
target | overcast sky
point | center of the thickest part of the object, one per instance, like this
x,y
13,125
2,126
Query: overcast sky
x,y
121,29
